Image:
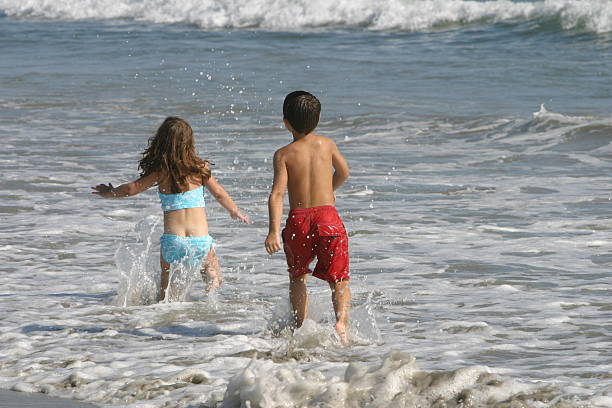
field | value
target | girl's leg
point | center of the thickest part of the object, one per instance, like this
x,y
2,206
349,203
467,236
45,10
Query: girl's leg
x,y
165,272
211,271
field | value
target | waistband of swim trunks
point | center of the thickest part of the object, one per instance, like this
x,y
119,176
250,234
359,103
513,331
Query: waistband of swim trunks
x,y
312,210
173,236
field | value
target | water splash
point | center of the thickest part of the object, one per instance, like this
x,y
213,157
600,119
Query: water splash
x,y
181,279
364,329
545,115
317,330
139,271
137,260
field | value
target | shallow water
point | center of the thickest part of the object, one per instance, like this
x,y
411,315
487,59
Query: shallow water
x,y
478,206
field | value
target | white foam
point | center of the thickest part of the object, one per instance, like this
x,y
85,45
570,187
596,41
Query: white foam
x,y
594,15
395,381
497,228
544,114
507,288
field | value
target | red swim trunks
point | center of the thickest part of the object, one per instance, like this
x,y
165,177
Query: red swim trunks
x,y
316,231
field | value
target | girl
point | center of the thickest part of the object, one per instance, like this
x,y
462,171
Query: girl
x,y
170,161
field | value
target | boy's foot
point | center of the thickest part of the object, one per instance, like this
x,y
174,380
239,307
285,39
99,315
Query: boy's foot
x,y
342,333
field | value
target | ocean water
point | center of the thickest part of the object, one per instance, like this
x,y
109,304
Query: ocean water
x,y
479,205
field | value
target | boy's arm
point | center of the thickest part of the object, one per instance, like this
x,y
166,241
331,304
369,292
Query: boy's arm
x,y
222,196
127,189
341,168
275,204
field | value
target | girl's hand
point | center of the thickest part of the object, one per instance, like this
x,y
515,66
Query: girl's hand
x,y
104,190
237,215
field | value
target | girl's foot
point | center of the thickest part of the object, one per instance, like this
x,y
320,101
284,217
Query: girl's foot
x,y
211,272
213,280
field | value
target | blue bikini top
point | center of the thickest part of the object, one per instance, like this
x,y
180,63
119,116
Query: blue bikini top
x,y
188,199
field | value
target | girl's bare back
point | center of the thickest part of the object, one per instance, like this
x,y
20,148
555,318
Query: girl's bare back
x,y
185,222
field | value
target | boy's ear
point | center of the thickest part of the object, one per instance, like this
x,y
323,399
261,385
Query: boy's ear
x,y
288,125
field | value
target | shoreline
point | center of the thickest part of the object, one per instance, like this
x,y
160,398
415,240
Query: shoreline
x,y
14,399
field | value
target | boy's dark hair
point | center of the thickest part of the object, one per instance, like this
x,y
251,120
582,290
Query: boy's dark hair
x,y
302,110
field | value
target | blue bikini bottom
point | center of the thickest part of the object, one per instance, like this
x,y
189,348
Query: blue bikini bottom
x,y
189,250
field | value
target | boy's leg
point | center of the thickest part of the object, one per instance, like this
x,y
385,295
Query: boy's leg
x,y
211,271
165,272
341,298
298,293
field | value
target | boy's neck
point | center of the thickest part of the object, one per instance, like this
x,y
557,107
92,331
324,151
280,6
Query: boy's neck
x,y
297,136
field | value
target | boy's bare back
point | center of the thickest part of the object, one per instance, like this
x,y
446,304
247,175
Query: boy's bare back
x,y
307,166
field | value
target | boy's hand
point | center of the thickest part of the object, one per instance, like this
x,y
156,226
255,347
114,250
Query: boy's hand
x,y
237,215
273,243
104,190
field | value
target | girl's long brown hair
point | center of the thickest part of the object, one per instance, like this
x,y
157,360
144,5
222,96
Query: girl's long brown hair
x,y
171,152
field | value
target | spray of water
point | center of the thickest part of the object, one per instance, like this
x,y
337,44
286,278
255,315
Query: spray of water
x,y
137,261
139,271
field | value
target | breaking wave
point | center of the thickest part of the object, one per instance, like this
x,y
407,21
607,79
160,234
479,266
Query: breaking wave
x,y
394,15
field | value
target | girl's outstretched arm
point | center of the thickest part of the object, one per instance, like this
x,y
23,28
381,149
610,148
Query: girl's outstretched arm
x,y
127,189
225,200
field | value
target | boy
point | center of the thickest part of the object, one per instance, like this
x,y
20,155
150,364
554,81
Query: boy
x,y
312,168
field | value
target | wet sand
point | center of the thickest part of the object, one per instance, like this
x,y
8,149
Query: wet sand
x,y
12,399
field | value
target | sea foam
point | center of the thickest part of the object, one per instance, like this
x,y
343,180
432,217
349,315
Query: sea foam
x,y
395,381
401,15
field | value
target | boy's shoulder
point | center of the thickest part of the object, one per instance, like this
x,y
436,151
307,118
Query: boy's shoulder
x,y
301,144
325,139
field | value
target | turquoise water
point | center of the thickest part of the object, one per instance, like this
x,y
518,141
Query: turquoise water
x,y
479,209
